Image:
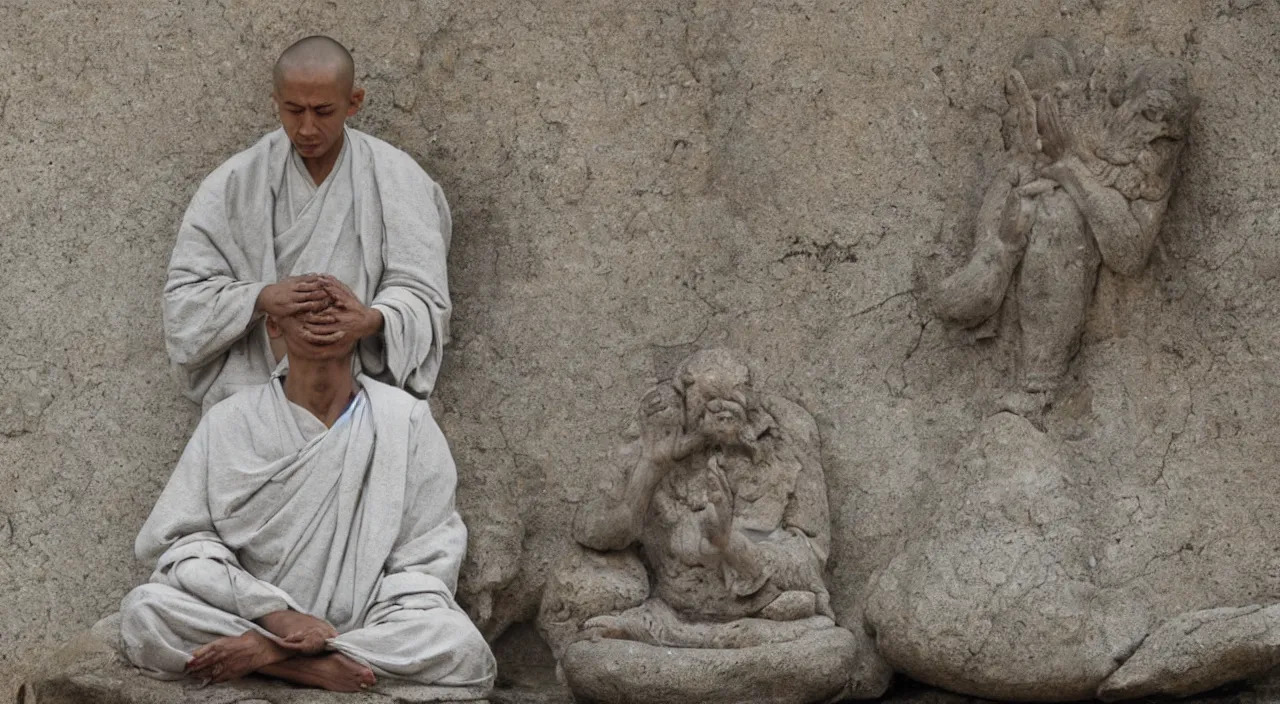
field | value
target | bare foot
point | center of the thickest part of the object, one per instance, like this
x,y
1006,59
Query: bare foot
x,y
234,657
335,672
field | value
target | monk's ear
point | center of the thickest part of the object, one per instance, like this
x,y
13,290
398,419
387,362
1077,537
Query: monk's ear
x,y
274,330
357,99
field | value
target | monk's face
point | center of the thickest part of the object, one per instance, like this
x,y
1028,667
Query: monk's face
x,y
314,104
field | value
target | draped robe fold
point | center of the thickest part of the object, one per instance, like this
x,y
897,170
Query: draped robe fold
x,y
355,524
378,223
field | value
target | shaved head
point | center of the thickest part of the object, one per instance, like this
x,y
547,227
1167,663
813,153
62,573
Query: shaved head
x,y
316,56
314,92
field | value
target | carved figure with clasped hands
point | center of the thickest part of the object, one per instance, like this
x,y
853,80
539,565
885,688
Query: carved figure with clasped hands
x,y
1080,189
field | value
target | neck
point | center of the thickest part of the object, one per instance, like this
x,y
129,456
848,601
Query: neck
x,y
322,387
321,166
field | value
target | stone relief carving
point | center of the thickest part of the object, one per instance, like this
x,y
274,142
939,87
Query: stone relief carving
x,y
1086,181
724,496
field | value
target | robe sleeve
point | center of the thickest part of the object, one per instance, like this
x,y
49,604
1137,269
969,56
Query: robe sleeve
x,y
180,537
206,308
413,293
433,539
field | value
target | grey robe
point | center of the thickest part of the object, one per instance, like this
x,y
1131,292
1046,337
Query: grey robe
x,y
378,223
267,510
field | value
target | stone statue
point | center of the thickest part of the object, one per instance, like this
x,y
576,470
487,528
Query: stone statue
x,y
1083,184
724,495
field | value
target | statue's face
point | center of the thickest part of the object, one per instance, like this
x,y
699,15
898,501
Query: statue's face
x,y
1144,112
724,422
314,105
717,394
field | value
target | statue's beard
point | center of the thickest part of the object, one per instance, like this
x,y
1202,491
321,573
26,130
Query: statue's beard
x,y
1126,139
1119,153
739,436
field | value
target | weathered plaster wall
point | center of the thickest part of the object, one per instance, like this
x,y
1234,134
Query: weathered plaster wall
x,y
631,181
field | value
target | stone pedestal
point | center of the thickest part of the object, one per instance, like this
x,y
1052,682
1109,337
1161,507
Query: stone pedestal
x,y
819,667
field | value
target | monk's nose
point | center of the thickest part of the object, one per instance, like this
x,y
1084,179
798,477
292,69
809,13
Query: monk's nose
x,y
308,127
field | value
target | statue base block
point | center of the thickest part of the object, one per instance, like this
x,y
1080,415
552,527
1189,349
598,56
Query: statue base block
x,y
822,666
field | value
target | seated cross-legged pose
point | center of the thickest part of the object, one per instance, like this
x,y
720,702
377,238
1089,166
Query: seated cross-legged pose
x,y
309,533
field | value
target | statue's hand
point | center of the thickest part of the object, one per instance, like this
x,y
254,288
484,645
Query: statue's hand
x,y
1055,140
717,521
294,295
662,427
1024,109
1018,216
668,449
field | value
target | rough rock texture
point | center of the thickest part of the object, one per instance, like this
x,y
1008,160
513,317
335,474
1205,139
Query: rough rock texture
x,y
90,669
1196,652
630,180
584,584
997,596
627,672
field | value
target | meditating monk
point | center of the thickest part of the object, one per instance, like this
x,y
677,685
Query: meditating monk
x,y
312,196
308,533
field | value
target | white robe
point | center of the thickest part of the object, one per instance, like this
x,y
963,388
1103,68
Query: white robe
x,y
378,223
355,524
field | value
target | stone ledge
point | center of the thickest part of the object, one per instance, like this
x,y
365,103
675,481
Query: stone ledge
x,y
90,669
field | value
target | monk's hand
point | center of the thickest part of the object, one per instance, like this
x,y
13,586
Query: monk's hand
x,y
307,642
294,295
299,632
234,657
346,319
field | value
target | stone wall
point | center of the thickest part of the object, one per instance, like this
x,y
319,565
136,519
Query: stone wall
x,y
631,181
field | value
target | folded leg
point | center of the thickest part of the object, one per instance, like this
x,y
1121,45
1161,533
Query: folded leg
x,y
654,623
433,646
161,626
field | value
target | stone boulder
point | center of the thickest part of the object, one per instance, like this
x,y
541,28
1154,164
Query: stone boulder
x,y
995,596
1198,651
90,669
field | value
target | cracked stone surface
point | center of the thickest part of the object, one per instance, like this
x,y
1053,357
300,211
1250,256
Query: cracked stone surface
x,y
1196,652
997,596
631,182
